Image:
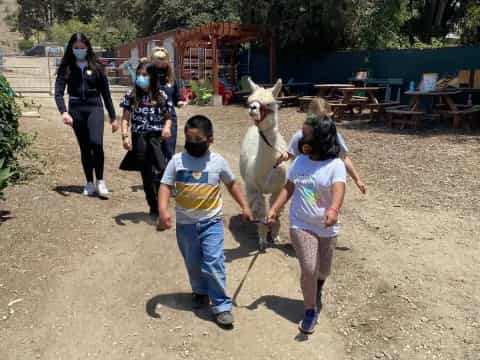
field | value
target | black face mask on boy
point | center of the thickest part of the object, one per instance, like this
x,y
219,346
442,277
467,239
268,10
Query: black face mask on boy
x,y
196,149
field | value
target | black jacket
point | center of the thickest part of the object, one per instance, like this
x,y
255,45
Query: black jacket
x,y
86,86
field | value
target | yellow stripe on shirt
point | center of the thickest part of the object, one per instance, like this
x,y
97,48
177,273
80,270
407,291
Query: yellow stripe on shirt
x,y
198,196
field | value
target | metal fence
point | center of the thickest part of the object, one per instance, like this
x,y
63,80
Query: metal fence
x,y
28,74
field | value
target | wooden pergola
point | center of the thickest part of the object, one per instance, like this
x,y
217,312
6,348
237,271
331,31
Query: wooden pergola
x,y
218,35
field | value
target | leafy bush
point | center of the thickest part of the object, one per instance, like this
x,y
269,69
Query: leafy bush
x,y
61,33
25,44
12,142
202,92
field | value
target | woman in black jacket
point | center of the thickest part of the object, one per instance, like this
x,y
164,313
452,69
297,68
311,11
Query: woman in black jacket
x,y
86,85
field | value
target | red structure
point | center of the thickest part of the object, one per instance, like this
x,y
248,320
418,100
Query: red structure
x,y
204,52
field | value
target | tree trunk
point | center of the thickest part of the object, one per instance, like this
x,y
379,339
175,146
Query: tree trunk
x,y
429,16
442,5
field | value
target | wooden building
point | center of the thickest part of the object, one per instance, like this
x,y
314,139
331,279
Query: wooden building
x,y
204,52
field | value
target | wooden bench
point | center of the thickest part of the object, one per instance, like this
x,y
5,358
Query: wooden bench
x,y
404,117
288,100
339,110
377,110
464,114
304,102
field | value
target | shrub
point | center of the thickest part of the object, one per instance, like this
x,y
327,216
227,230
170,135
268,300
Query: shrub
x,y
12,142
202,92
25,44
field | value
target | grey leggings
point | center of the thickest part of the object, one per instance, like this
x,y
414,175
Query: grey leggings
x,y
315,255
88,122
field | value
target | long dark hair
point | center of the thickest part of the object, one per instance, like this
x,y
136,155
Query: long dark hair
x,y
138,92
325,142
69,58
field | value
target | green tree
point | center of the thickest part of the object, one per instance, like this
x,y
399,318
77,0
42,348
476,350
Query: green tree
x,y
379,24
101,31
32,16
314,24
170,14
110,35
61,33
436,18
471,25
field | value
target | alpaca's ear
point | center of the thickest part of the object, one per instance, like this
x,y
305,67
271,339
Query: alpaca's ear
x,y
253,86
277,88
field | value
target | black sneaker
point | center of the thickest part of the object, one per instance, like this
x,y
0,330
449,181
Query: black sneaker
x,y
307,325
200,300
225,319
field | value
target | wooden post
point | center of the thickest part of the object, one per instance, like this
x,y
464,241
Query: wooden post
x,y
179,53
232,65
273,58
215,65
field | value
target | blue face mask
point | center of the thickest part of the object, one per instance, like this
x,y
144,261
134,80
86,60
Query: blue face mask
x,y
80,54
142,81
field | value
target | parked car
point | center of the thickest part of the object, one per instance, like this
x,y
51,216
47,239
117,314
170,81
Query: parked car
x,y
45,49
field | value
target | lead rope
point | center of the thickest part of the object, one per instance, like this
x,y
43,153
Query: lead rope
x,y
270,174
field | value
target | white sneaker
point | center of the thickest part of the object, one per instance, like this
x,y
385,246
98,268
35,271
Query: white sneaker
x,y
89,189
102,188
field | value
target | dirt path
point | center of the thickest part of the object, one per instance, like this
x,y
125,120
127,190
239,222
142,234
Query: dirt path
x,y
96,280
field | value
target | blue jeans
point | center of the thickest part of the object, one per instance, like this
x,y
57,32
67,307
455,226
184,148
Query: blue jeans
x,y
201,245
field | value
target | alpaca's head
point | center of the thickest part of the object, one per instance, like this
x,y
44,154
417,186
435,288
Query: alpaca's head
x,y
262,104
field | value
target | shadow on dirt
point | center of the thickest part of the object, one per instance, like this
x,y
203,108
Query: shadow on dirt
x,y
135,218
5,216
290,309
176,301
245,234
66,190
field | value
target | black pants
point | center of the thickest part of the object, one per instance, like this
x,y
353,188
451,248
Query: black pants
x,y
150,157
88,122
169,146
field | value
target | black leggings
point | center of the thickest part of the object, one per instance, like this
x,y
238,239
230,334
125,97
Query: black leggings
x,y
88,127
148,150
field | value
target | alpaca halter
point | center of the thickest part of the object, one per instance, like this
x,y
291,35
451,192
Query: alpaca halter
x,y
264,111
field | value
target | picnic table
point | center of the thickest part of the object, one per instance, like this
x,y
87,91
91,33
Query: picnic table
x,y
387,83
298,88
445,97
349,98
330,91
348,102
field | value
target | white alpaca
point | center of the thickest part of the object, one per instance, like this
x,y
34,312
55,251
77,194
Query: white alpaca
x,y
258,157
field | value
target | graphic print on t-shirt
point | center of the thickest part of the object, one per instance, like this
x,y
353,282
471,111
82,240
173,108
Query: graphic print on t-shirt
x,y
147,116
306,185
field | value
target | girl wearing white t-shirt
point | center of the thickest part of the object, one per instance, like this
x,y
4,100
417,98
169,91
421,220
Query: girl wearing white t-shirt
x,y
316,184
321,107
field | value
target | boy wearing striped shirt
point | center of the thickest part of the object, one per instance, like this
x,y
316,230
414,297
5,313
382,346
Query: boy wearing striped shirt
x,y
196,174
